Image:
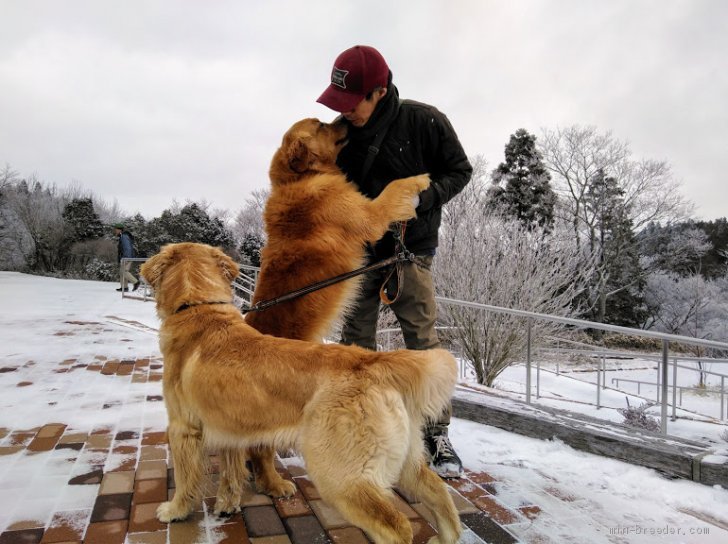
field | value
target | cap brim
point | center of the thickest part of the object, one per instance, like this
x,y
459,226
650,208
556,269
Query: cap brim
x,y
339,100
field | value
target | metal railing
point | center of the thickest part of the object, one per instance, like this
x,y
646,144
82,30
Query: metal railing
x,y
602,354
677,390
664,338
243,285
144,292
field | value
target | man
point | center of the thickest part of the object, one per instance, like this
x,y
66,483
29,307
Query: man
x,y
125,250
389,139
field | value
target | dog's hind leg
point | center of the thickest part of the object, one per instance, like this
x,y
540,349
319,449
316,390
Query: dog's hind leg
x,y
267,479
418,480
185,441
234,483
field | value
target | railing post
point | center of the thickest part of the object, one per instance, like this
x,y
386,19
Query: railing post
x,y
599,374
674,389
528,361
538,376
663,410
722,397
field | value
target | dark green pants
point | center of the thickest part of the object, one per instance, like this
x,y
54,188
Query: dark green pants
x,y
415,310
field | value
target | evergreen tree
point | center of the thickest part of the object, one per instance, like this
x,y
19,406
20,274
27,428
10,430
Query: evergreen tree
x,y
619,282
521,184
83,221
714,263
191,224
250,248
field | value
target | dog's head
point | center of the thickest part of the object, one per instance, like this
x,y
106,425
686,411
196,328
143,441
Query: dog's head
x,y
189,273
309,146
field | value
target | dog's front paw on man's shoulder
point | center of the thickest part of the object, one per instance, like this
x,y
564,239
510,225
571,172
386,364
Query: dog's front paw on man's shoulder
x,y
167,512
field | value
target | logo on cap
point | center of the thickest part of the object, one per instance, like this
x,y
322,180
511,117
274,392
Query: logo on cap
x,y
338,77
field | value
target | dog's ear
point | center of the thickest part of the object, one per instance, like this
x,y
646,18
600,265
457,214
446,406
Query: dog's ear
x,y
153,268
229,267
299,156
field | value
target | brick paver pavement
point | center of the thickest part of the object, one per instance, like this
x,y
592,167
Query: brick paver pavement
x,y
104,486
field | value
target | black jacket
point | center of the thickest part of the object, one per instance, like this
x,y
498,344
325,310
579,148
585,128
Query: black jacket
x,y
419,140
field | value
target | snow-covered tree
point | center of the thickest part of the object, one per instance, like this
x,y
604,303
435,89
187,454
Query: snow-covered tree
x,y
593,173
615,291
249,220
250,249
80,215
190,224
576,154
676,248
490,259
521,184
38,228
684,305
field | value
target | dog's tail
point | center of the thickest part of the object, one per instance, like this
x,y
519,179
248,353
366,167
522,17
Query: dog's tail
x,y
426,379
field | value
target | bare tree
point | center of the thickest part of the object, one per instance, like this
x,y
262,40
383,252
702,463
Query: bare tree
x,y
576,155
644,191
249,220
488,259
682,305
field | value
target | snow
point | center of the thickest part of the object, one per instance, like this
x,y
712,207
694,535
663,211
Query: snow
x,y
698,416
46,322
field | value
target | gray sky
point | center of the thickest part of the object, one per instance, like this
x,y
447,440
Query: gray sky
x,y
145,101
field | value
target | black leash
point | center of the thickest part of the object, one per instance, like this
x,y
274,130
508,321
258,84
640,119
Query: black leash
x,y
402,256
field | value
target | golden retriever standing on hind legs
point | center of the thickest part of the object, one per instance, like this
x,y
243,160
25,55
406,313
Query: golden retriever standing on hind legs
x,y
356,415
317,224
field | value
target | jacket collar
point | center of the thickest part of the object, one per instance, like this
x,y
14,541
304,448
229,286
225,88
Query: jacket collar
x,y
386,111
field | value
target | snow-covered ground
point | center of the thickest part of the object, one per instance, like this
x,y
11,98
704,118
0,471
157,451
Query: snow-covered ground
x,y
573,389
45,321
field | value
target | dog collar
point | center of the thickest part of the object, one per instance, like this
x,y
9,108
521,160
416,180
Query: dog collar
x,y
187,305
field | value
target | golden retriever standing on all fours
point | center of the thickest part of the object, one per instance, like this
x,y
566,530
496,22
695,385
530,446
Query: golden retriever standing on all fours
x,y
317,224
354,414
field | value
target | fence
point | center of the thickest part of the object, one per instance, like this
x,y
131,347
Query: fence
x,y
144,292
243,286
663,361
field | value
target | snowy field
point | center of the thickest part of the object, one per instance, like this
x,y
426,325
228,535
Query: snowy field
x,y
45,321
573,389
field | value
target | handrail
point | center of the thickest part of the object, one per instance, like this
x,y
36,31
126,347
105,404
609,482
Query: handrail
x,y
588,324
663,337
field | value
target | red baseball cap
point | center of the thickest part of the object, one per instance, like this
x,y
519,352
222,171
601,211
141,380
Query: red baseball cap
x,y
356,73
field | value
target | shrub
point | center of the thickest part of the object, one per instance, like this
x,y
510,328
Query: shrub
x,y
636,416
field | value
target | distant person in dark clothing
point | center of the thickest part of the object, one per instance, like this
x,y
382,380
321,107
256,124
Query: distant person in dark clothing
x,y
125,251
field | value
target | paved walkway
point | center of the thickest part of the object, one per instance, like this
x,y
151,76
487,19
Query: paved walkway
x,y
104,486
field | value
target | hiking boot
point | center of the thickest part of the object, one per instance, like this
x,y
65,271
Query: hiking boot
x,y
124,289
136,285
443,458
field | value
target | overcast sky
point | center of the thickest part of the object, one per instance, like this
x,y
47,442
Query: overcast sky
x,y
146,101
